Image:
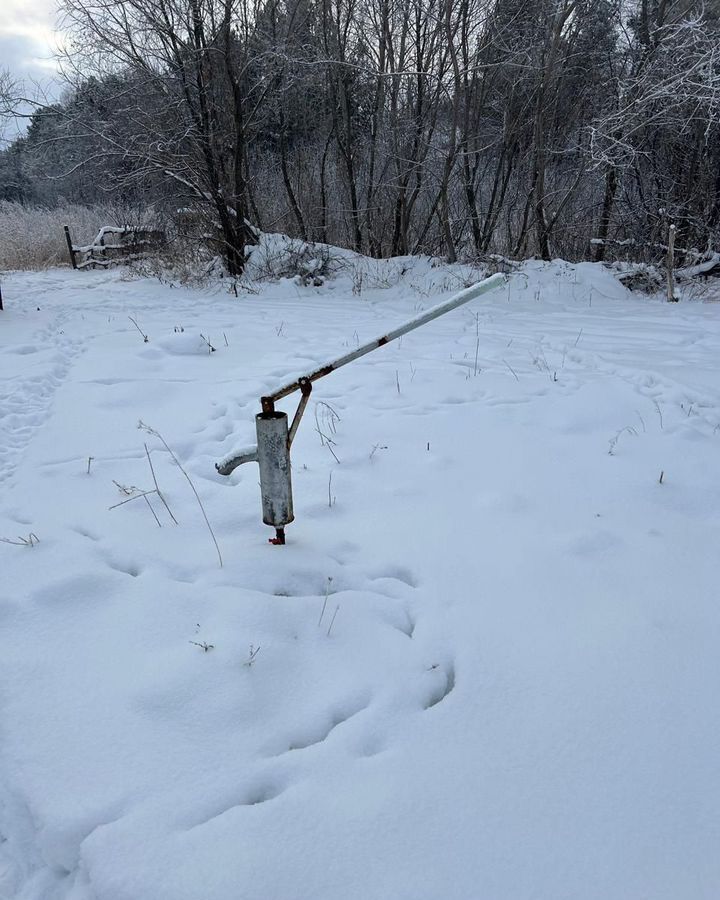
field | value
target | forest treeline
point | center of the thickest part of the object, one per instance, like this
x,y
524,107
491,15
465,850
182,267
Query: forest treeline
x,y
459,128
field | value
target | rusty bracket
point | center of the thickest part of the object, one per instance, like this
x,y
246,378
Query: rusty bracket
x,y
306,390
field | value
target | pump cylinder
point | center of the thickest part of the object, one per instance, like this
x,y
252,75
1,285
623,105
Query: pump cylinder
x,y
273,454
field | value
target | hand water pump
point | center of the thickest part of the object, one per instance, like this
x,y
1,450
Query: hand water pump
x,y
275,436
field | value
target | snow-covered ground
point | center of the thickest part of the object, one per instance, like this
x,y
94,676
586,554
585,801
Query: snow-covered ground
x,y
513,689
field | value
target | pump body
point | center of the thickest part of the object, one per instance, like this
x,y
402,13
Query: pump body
x,y
273,456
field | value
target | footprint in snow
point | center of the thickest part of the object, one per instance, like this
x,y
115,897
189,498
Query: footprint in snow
x,y
445,684
322,728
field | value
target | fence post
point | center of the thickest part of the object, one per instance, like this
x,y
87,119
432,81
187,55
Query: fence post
x,y
1,306
670,265
71,249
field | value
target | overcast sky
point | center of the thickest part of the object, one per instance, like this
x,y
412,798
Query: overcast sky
x,y
27,37
27,43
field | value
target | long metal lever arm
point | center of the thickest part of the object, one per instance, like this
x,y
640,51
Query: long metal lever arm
x,y
465,296
304,382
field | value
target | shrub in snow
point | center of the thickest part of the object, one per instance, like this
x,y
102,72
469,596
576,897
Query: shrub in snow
x,y
644,278
277,256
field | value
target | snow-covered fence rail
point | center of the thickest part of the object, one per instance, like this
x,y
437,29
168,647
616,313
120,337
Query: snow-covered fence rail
x,y
704,260
114,245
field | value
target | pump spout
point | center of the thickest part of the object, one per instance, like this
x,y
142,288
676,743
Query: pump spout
x,y
228,465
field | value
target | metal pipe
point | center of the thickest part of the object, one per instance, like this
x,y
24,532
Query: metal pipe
x,y
482,287
228,465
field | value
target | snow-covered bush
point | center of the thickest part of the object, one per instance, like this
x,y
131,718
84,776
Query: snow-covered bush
x,y
644,278
277,256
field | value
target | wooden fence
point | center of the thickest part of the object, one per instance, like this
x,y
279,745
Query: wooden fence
x,y
114,245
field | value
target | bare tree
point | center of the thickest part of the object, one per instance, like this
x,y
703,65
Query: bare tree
x,y
455,127
8,94
657,141
196,101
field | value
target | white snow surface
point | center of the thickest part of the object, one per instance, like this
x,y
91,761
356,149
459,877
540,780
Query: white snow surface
x,y
518,696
